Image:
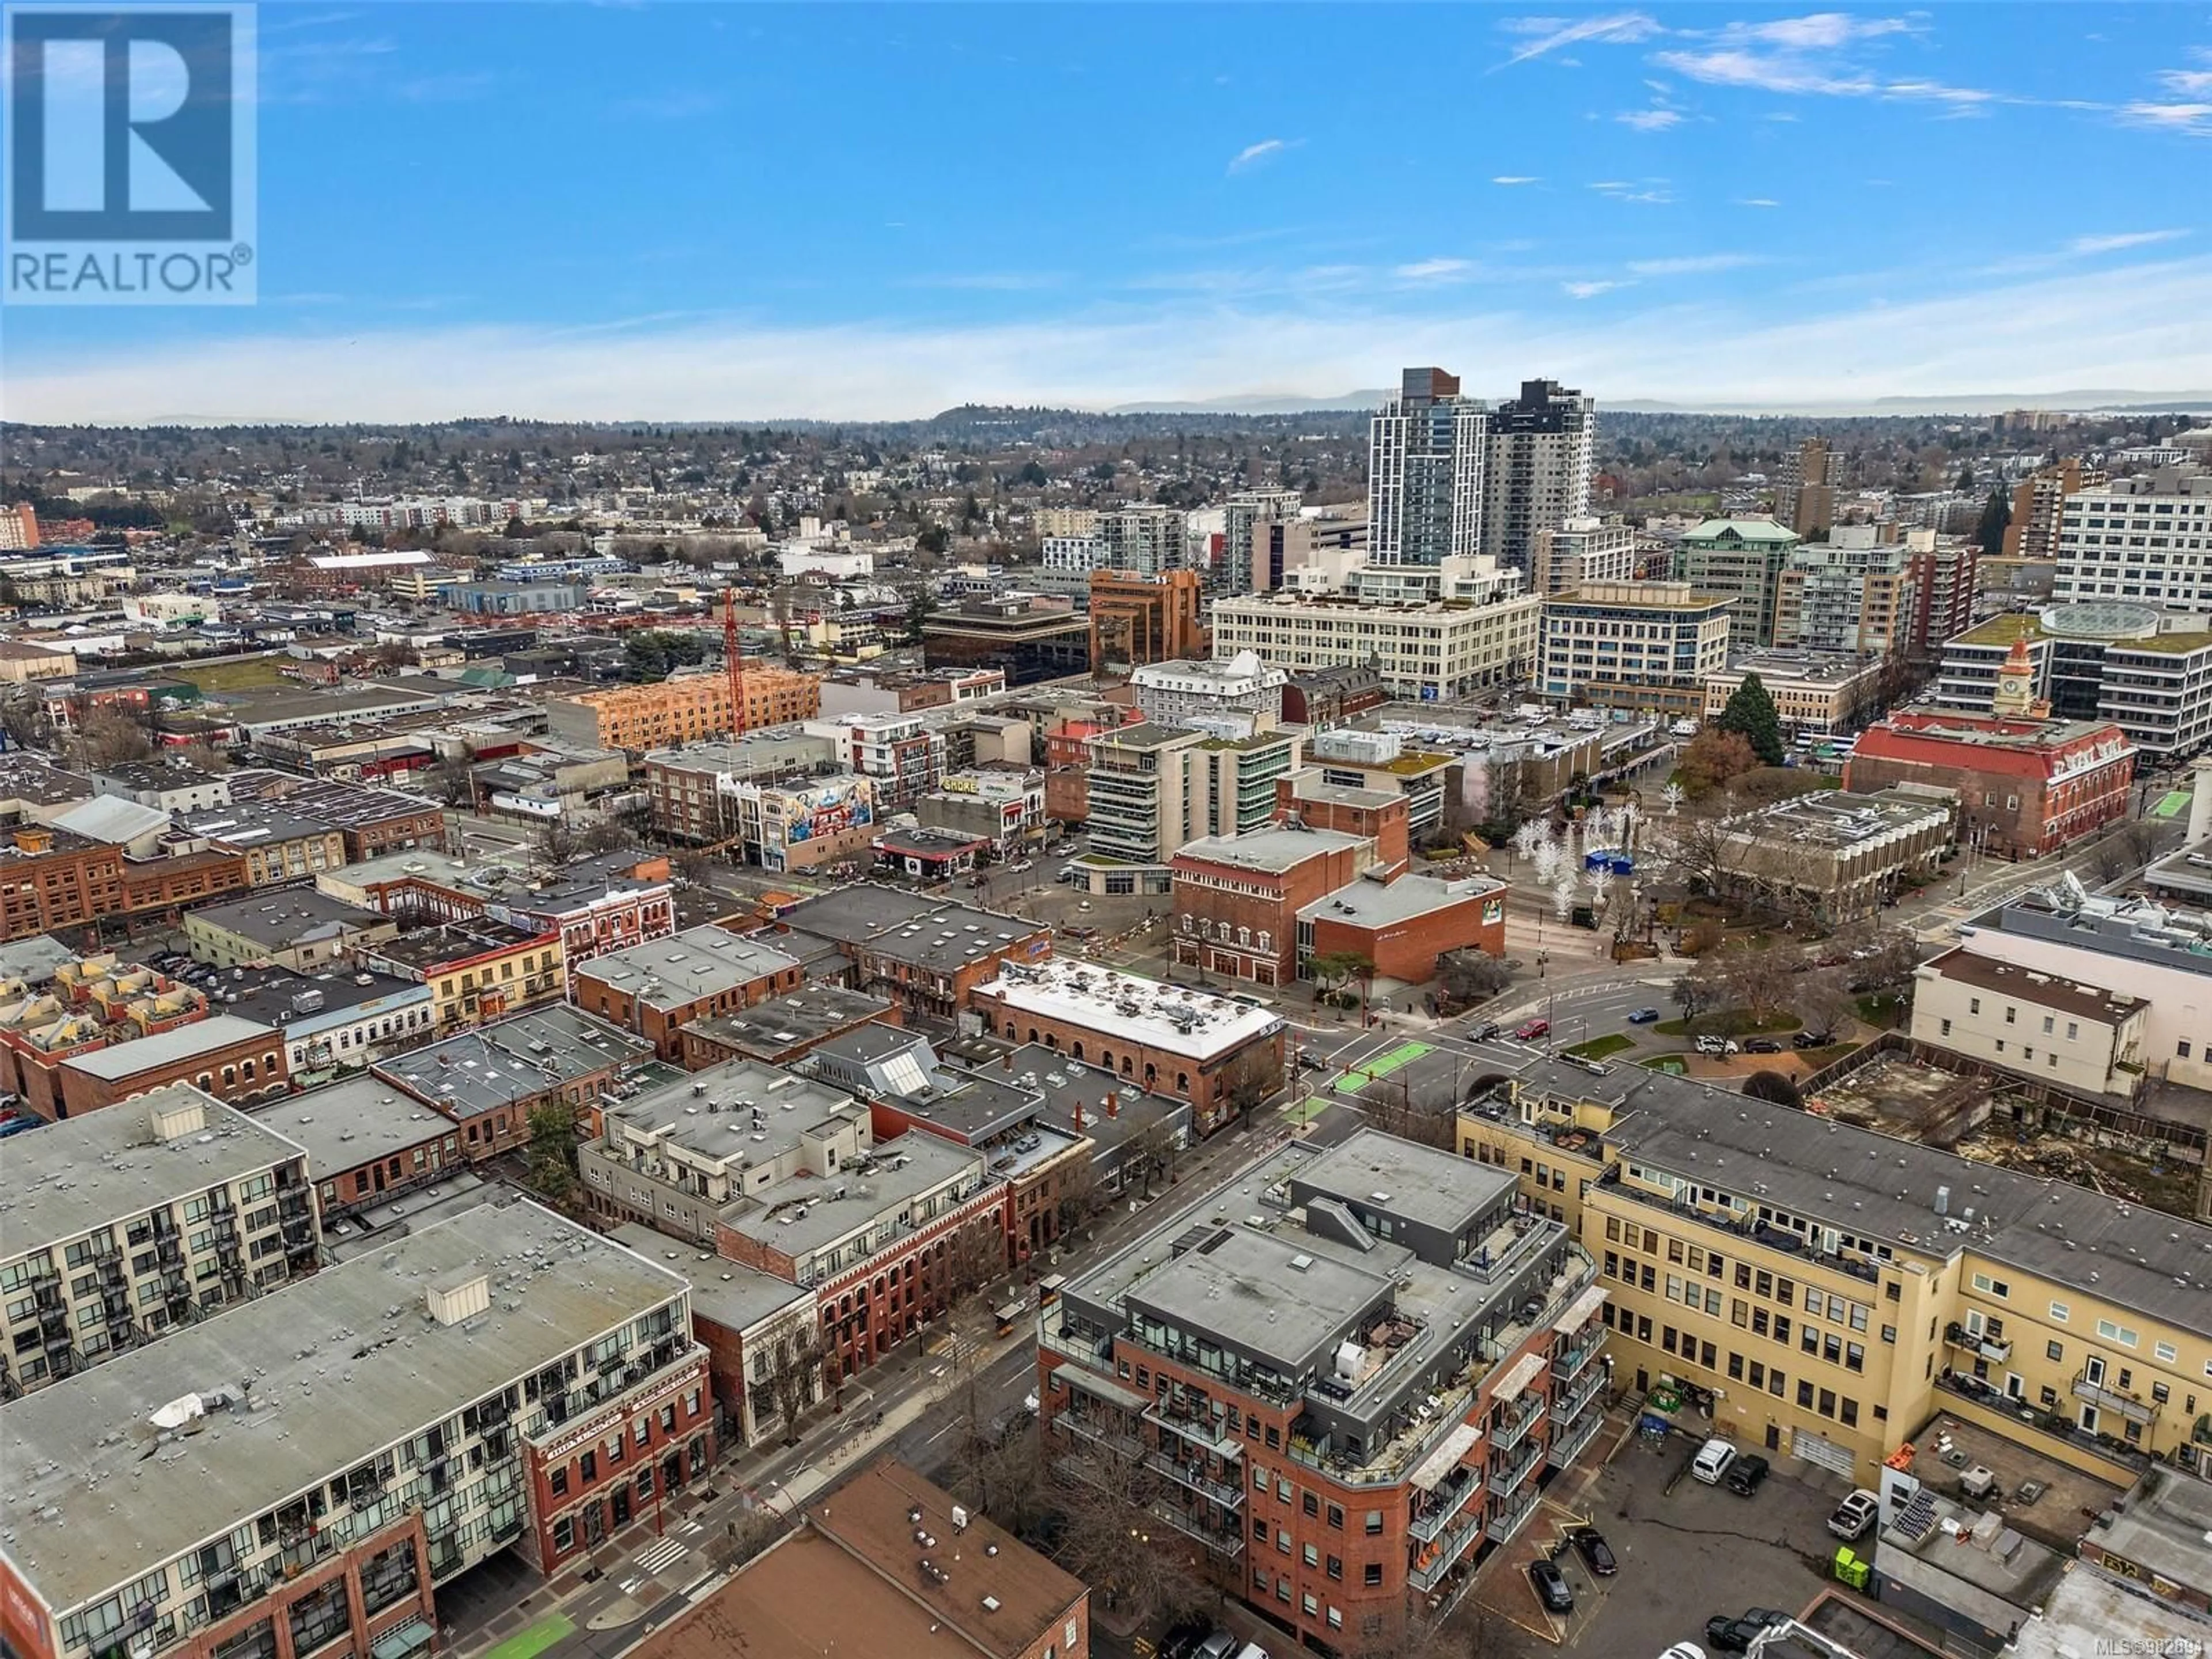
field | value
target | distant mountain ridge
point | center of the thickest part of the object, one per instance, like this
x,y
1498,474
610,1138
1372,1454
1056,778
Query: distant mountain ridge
x,y
1986,403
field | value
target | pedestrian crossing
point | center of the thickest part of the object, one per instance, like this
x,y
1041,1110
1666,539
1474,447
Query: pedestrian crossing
x,y
662,1554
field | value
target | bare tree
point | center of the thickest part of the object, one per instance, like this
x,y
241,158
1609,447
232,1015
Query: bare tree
x,y
1150,1155
792,1385
205,756
111,737
1078,1197
1252,1078
746,1535
1111,1540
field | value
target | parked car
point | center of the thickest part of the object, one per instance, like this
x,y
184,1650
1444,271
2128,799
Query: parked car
x,y
1219,1645
1856,1516
1812,1039
1762,1046
1182,1640
1731,1635
1530,1029
1552,1587
1745,1473
1718,1046
1644,1017
1597,1554
1712,1461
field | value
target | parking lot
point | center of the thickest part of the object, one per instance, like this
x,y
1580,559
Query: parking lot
x,y
1683,1556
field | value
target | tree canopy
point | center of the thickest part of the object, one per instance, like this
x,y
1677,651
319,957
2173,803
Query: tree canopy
x,y
1751,714
1997,514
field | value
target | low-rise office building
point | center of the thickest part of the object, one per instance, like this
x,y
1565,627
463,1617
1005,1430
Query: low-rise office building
x,y
2147,671
1403,927
1633,645
2072,1037
1824,1285
236,1060
885,1235
277,845
654,990
783,1030
488,1081
366,1142
1165,1039
372,821
333,1022
1238,897
497,1361
196,1206
476,969
301,929
1836,853
1341,1400
1434,651
2153,952
1817,692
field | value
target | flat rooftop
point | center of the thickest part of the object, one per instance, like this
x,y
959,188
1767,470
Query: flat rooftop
x,y
67,1178
805,1213
952,936
900,1068
353,1123
2033,986
492,1067
1880,1187
294,916
321,1375
783,1023
350,805
2163,1524
1274,851
429,949
1371,904
709,1113
699,962
724,1292
858,911
1423,1184
181,1042
1128,1008
1834,819
1074,1098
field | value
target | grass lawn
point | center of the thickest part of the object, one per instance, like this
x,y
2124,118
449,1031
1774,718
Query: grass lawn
x,y
1717,1024
1882,1011
1598,1048
1670,1064
236,677
1817,1058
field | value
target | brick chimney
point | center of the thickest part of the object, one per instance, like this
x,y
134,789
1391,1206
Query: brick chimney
x,y
1113,1105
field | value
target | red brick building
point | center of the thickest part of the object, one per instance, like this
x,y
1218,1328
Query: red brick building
x,y
238,1060
1238,897
92,1004
1165,1039
51,880
1380,815
654,990
2026,786
1404,927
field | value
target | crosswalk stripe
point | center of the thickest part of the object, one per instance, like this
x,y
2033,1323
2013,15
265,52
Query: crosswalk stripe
x,y
664,1553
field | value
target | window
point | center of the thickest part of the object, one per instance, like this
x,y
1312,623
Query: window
x,y
1375,1528
2165,1353
1336,1517
1336,1566
1371,1573
2119,1333
2054,1351
2058,1311
560,1480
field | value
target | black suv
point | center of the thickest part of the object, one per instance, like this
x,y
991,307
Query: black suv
x,y
1552,1587
1597,1554
1745,1473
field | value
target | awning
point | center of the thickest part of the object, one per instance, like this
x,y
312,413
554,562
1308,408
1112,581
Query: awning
x,y
1579,1311
1077,1377
403,1638
1440,1463
1525,1371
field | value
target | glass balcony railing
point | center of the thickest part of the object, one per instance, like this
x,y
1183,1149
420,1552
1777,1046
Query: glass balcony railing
x,y
1504,1482
1450,1499
1428,1569
1228,1496
1568,1362
1569,1406
1565,1451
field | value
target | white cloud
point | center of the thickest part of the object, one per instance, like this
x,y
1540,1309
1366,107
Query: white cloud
x,y
1757,202
1690,264
1651,120
2193,120
1430,270
2188,82
1253,154
1509,178
1821,31
1651,192
1550,33
2074,328
2125,238
1591,290
1728,66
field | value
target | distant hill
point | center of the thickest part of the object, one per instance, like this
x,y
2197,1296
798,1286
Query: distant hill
x,y
1981,403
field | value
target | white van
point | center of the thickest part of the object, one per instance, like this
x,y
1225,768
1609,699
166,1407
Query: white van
x,y
1712,1461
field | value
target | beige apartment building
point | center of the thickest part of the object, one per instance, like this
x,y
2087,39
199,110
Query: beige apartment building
x,y
1431,652
1831,1290
1633,645
2081,1038
685,709
1812,691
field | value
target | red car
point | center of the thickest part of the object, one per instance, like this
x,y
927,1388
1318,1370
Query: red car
x,y
1532,1029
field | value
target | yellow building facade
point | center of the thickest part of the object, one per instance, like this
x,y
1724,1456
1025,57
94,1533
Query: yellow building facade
x,y
1832,1289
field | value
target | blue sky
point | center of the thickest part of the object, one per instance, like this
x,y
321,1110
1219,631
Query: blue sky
x,y
694,212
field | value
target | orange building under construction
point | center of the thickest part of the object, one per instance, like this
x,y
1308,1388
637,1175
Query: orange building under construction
x,y
685,709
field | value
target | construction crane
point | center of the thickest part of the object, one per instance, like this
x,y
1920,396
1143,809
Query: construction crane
x,y
734,661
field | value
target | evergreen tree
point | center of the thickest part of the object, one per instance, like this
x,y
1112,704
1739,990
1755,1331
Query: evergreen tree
x,y
1752,715
1996,513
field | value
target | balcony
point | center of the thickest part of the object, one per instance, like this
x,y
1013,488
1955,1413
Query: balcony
x,y
1504,1483
1564,1451
1509,1429
1117,1442
1996,1350
1450,1498
1198,1429
1569,1406
1511,1518
1429,1569
1226,1542
1229,1497
1568,1362
2133,1406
